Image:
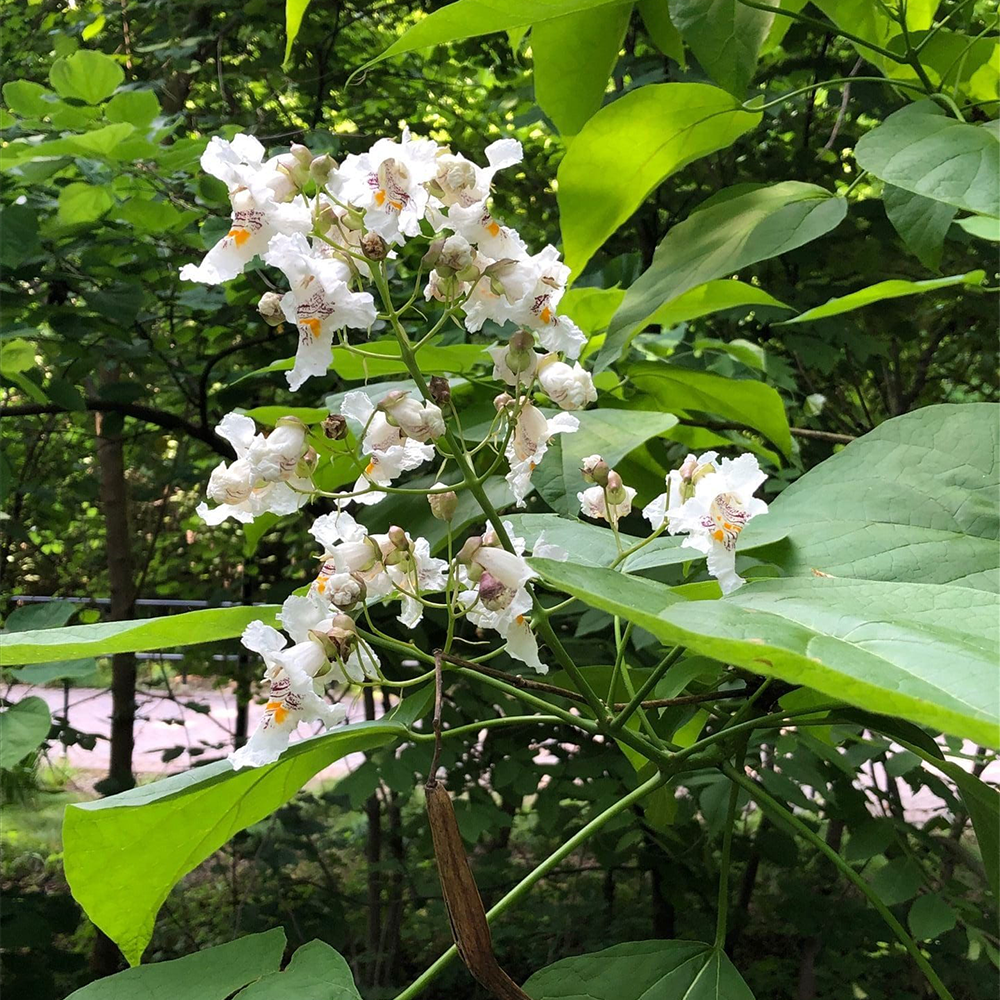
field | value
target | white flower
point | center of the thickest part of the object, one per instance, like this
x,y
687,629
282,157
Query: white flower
x,y
295,695
318,303
676,481
722,504
418,420
387,182
276,456
416,572
594,502
479,227
537,307
241,489
352,551
570,388
462,182
529,442
503,371
391,452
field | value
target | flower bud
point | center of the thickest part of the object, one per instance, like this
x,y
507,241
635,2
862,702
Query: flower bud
x,y
307,464
521,358
440,389
321,168
374,247
703,470
339,639
302,154
468,551
270,310
502,401
398,538
615,488
595,470
335,427
443,505
353,219
345,590
433,253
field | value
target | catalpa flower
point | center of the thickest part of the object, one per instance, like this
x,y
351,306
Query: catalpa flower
x,y
477,224
536,309
461,182
295,693
569,387
391,452
529,442
349,550
500,600
714,508
318,303
610,502
388,182
264,202
262,479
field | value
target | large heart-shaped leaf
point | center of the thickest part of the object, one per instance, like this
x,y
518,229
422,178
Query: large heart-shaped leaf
x,y
924,652
922,223
923,150
914,500
642,970
612,434
746,401
105,638
315,972
573,57
629,147
124,854
725,36
209,974
732,230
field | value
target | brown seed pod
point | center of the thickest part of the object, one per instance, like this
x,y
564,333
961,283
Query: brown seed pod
x,y
461,896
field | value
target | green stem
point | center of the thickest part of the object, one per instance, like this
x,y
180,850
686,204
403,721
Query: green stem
x,y
475,727
769,804
904,84
430,974
727,850
651,681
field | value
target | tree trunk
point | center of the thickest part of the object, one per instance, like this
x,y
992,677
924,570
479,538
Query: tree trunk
x,y
373,855
105,958
244,671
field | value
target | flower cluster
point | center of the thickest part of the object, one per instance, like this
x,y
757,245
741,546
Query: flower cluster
x,y
335,230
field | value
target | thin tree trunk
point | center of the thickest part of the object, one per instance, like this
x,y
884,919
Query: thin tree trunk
x,y
244,671
392,925
373,855
105,958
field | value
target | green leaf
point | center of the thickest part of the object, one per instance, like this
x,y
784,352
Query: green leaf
x,y
914,500
316,972
573,57
105,638
922,223
930,917
294,12
124,854
924,652
23,728
606,432
80,203
88,76
725,37
731,231
45,673
983,227
16,356
898,881
43,614
922,150
20,229
152,216
468,18
209,974
745,401
893,289
136,107
642,970
656,17
28,99
103,142
629,147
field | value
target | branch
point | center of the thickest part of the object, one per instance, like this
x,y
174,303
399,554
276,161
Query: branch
x,y
159,418
804,432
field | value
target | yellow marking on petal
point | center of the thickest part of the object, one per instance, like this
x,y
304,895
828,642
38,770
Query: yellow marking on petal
x,y
545,315
239,235
370,467
278,710
321,584
379,197
397,205
312,325
719,536
493,229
